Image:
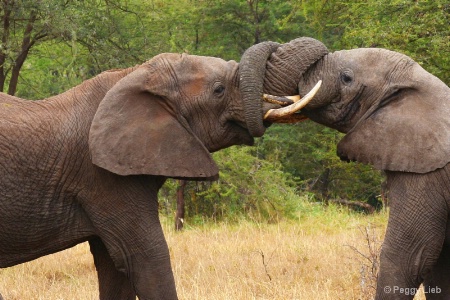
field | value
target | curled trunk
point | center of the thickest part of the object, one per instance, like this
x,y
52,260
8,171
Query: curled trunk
x,y
286,66
274,69
252,69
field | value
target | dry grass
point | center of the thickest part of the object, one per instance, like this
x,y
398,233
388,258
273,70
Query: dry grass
x,y
59,276
308,259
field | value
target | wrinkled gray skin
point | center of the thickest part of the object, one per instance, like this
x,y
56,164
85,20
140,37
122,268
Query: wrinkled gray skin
x,y
396,116
87,165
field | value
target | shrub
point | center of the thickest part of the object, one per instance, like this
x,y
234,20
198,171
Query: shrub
x,y
248,187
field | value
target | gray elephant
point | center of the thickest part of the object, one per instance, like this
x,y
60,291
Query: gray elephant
x,y
86,165
396,117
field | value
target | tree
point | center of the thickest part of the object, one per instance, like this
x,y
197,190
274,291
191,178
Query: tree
x,y
180,210
419,29
88,26
307,151
245,23
18,36
225,28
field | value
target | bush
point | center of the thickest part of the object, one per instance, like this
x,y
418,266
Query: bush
x,y
249,187
307,151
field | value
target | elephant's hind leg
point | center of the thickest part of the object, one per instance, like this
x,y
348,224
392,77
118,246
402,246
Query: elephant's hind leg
x,y
112,283
437,284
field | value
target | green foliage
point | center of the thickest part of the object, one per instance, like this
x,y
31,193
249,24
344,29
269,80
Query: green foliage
x,y
27,24
244,23
248,187
71,40
52,68
419,29
223,28
307,151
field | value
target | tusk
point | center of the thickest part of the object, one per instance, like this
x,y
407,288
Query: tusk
x,y
288,110
294,98
283,100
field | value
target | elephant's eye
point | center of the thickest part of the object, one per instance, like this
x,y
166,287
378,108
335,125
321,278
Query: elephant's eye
x,y
218,91
347,77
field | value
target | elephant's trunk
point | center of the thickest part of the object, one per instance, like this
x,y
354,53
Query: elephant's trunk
x,y
252,69
274,69
286,66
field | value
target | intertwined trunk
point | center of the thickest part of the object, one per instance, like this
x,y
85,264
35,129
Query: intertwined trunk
x,y
274,69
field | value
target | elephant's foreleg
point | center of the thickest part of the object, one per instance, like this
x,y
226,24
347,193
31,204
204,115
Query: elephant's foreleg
x,y
437,284
129,228
146,261
404,266
112,283
414,237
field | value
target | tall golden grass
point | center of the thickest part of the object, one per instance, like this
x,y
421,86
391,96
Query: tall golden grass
x,y
316,257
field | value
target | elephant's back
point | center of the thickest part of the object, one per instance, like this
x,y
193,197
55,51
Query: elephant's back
x,y
39,143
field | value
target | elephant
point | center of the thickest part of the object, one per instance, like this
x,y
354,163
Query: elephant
x,y
86,165
396,117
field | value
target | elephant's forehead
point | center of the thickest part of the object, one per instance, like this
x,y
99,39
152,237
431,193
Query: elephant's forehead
x,y
374,63
193,78
202,64
373,57
197,73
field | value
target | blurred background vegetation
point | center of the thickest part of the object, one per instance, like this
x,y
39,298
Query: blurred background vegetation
x,y
49,46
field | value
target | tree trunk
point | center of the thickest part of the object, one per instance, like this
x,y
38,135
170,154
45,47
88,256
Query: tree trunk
x,y
324,184
27,43
3,50
355,205
179,215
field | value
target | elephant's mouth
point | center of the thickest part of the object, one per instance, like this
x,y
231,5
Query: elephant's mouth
x,y
245,137
291,106
234,133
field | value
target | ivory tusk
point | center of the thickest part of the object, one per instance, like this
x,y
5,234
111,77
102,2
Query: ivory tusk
x,y
283,100
294,98
284,111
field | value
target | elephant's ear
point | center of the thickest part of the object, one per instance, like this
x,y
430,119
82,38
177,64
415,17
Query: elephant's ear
x,y
135,131
410,135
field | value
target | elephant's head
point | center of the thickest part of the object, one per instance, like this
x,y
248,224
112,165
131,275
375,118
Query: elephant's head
x,y
167,115
395,114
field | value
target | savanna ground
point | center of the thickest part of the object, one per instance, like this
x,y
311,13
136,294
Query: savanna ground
x,y
326,254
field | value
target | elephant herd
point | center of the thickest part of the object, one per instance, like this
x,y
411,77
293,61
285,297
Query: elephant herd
x,y
86,165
